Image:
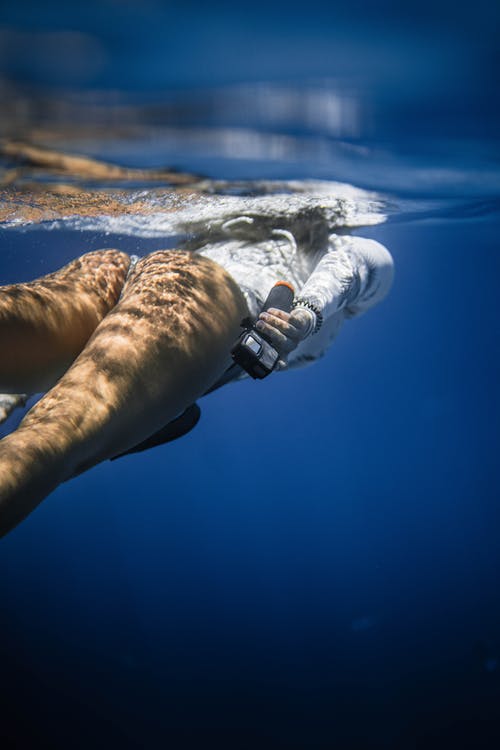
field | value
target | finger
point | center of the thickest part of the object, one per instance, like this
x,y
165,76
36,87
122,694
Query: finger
x,y
279,313
297,318
282,343
285,326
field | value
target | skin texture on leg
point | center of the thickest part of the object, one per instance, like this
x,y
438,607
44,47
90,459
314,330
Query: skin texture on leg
x,y
163,345
44,324
29,155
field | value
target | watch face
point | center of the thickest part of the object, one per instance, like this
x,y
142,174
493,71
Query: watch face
x,y
255,355
253,344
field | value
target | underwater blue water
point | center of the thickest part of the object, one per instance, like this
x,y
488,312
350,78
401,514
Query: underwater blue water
x,y
317,564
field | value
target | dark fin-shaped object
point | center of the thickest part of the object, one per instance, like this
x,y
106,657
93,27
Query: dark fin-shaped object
x,y
173,430
231,373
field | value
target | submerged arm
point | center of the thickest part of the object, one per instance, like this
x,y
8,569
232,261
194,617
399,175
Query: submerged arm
x,y
354,275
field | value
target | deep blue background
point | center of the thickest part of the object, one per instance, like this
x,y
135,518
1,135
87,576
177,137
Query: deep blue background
x,y
317,564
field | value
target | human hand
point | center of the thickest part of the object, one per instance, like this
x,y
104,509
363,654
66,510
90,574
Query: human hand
x,y
285,330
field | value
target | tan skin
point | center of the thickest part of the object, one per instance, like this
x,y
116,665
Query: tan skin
x,y
139,360
118,356
284,330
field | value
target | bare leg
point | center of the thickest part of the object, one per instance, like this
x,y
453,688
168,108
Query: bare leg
x,y
75,165
163,345
45,323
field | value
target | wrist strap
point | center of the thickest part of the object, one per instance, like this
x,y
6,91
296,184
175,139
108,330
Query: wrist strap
x,y
302,302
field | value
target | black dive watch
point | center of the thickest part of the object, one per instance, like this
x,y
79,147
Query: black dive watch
x,y
252,351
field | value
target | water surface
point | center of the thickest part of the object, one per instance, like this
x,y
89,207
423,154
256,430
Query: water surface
x,y
195,594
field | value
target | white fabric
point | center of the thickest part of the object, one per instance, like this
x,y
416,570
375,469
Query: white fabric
x,y
9,402
346,278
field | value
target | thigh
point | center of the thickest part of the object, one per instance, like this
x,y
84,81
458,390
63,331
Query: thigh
x,y
44,324
161,347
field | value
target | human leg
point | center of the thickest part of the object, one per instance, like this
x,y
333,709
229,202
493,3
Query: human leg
x,y
163,345
44,324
